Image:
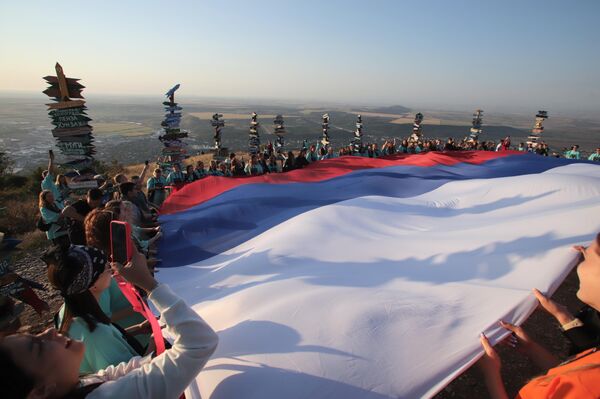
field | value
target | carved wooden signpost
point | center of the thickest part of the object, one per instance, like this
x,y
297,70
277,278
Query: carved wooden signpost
x,y
254,139
174,148
71,124
280,133
417,131
476,124
217,123
357,140
538,128
325,126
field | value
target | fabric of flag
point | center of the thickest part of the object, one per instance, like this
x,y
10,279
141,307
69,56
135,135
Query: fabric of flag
x,y
371,278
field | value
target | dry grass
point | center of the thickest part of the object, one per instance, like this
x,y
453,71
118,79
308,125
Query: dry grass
x,y
33,240
19,215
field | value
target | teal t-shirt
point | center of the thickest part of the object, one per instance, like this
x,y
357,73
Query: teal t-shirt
x,y
48,184
159,194
56,230
104,346
594,157
115,301
175,177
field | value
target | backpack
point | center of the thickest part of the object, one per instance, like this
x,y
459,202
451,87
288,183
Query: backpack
x,y
41,224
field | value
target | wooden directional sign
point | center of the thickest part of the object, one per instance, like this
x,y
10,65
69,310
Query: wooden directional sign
x,y
87,184
83,139
66,104
53,91
79,111
71,132
77,151
70,124
74,82
75,148
69,118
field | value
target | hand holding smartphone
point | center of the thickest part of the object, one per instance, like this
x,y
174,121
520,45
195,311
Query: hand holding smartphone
x,y
120,242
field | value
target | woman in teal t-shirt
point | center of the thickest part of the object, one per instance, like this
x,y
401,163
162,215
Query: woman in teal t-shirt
x,y
52,216
82,274
157,193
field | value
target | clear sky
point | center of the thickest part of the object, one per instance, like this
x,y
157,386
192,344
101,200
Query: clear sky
x,y
449,54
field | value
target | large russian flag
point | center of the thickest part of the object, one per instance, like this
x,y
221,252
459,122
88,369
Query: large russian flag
x,y
371,278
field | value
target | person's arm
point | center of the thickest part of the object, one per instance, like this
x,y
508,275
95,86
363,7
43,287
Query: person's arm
x,y
51,168
167,375
490,365
142,176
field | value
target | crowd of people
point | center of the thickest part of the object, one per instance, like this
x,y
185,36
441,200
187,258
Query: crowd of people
x,y
268,161
102,346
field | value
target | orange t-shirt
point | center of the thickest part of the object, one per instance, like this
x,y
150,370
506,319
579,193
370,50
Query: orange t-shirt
x,y
563,382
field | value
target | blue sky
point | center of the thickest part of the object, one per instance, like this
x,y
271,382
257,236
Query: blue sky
x,y
443,54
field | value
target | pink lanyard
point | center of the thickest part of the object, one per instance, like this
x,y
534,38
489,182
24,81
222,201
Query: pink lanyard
x,y
140,306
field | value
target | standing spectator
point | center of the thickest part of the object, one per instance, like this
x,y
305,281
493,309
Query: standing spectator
x,y
330,154
521,147
156,185
262,161
573,153
48,181
77,212
224,171
190,177
504,144
176,176
272,164
129,192
253,167
199,172
312,155
213,169
542,149
449,145
595,156
289,162
301,160
63,188
53,219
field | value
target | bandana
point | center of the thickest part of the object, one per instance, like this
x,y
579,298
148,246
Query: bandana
x,y
93,262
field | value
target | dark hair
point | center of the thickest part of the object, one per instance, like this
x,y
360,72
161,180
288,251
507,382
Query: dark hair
x,y
62,270
15,382
95,194
125,188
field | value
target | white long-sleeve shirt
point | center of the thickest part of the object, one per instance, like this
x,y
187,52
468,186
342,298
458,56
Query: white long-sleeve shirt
x,y
167,375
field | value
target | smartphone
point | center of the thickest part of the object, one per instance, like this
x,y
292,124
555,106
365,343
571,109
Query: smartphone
x,y
120,242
